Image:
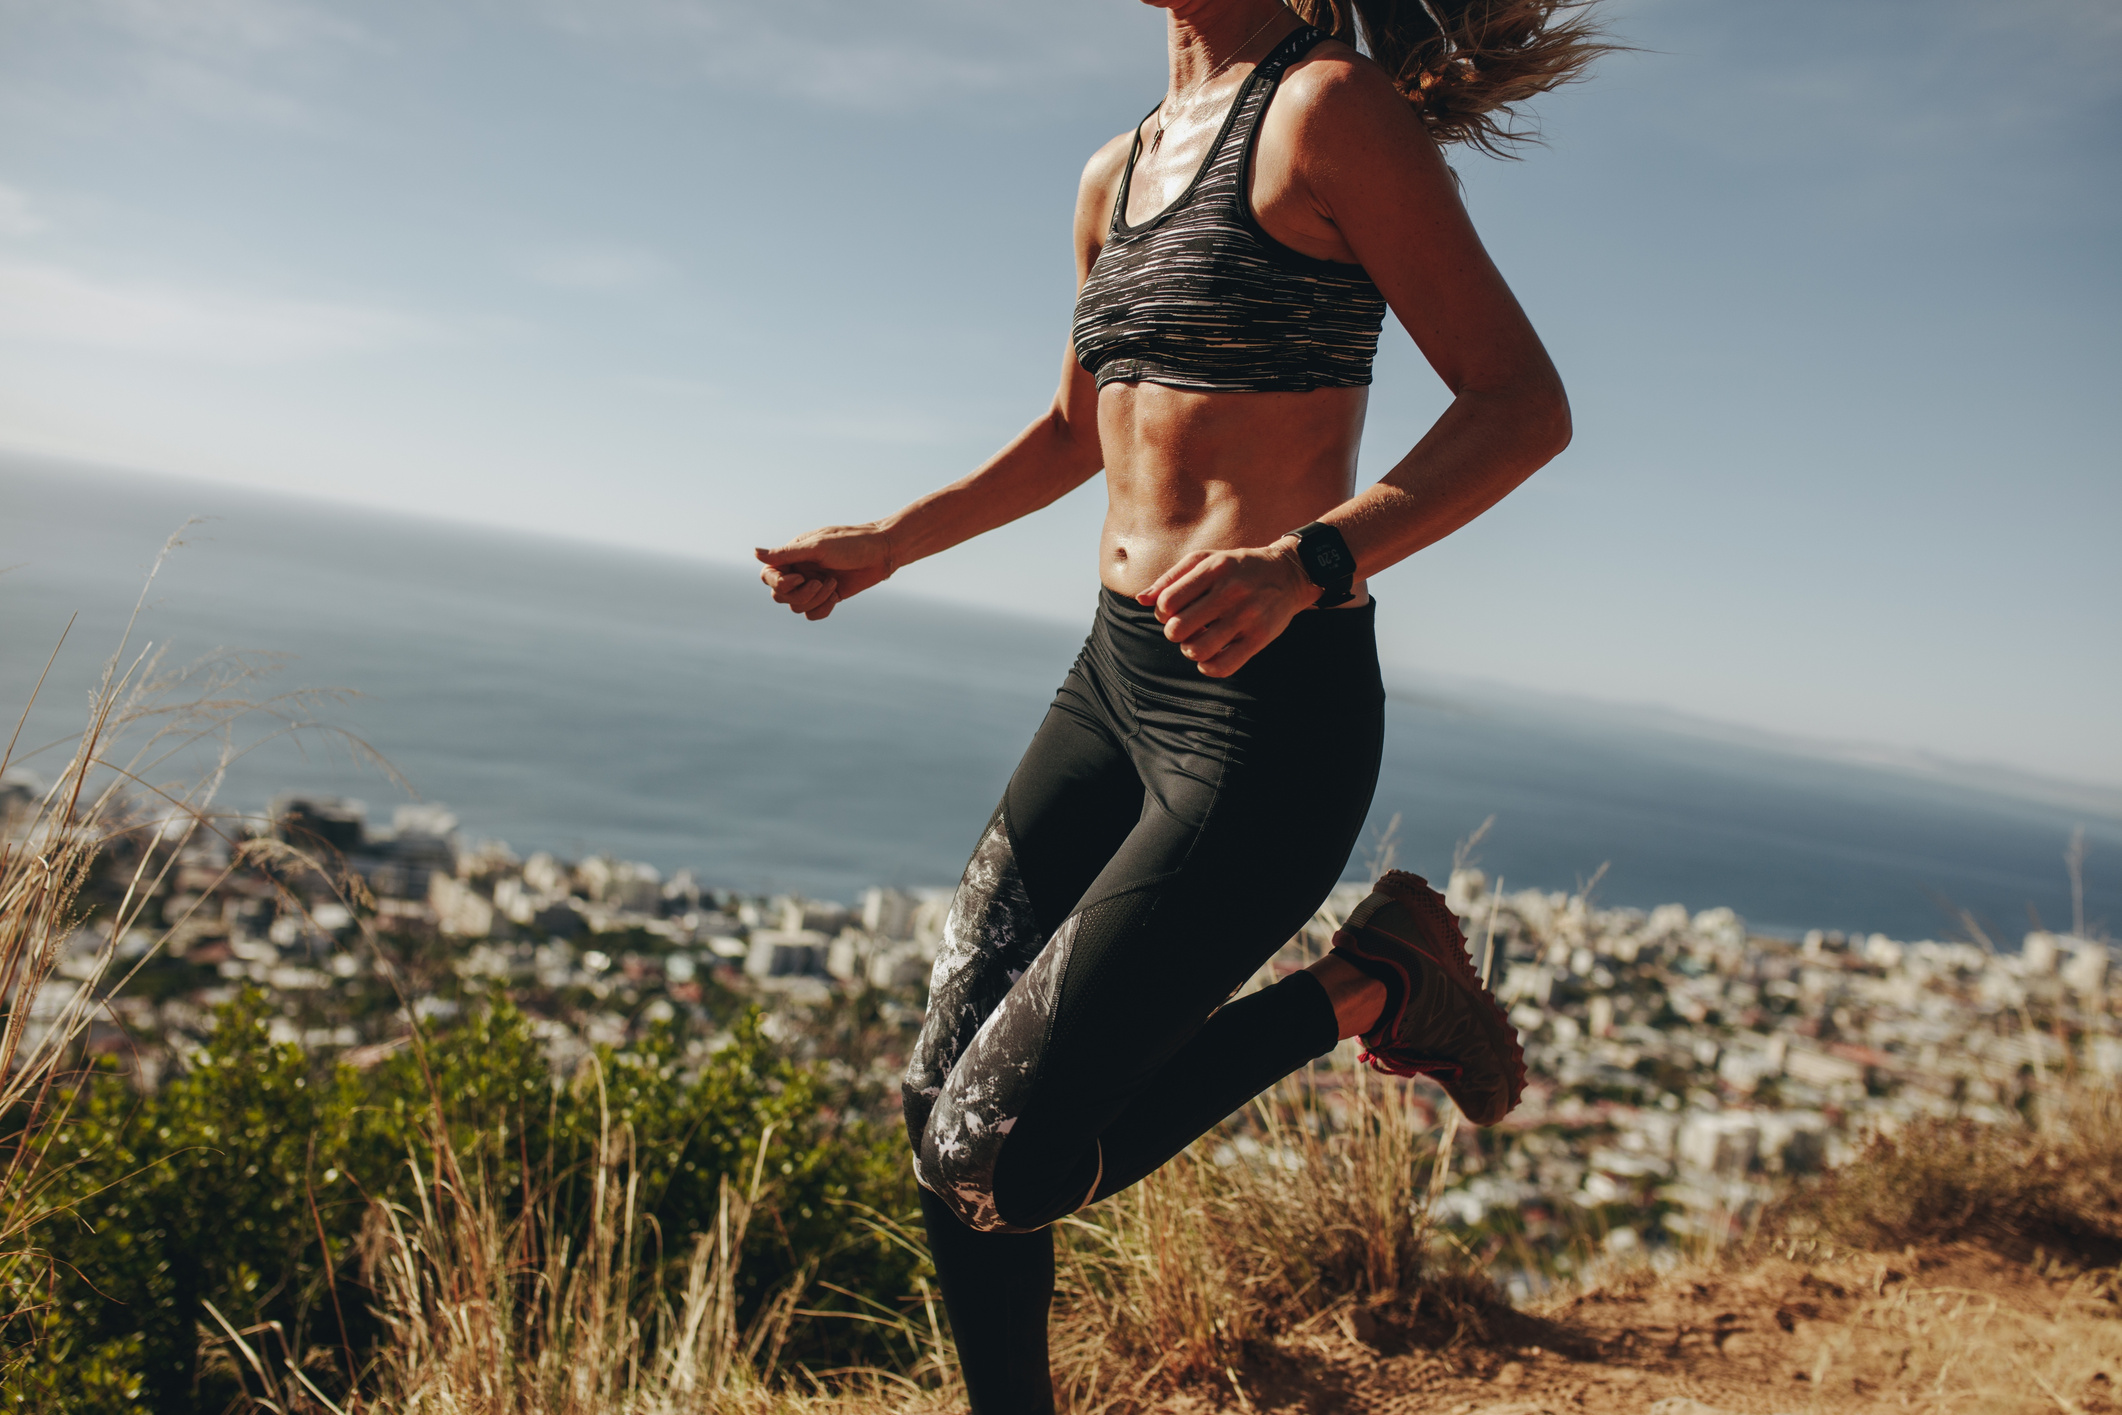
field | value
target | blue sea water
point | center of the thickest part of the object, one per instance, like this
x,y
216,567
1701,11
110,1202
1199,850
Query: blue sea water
x,y
576,698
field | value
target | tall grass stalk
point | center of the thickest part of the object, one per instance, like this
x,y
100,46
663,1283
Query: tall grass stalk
x,y
113,798
487,1315
1310,1204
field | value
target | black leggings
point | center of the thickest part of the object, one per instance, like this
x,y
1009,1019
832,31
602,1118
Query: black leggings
x,y
1165,833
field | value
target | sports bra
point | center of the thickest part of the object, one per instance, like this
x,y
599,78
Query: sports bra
x,y
1199,296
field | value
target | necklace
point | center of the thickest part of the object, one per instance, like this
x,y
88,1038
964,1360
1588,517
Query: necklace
x,y
1157,139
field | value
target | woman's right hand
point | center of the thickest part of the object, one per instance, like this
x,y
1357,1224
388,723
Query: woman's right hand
x,y
815,571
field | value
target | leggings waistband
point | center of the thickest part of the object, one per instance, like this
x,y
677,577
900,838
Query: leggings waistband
x,y
1330,651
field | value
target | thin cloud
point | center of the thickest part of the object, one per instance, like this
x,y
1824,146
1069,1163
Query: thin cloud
x,y
225,28
18,215
224,59
595,268
1963,71
51,304
891,426
857,54
877,424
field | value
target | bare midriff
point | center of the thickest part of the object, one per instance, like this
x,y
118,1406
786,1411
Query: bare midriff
x,y
1189,471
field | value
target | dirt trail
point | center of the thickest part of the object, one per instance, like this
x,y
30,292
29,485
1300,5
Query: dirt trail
x,y
1955,1329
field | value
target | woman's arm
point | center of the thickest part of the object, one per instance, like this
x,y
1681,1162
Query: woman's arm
x,y
1379,190
1047,460
1384,186
1050,458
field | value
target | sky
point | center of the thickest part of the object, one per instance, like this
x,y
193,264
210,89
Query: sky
x,y
1833,286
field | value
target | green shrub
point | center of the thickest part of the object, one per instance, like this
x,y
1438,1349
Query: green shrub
x,y
240,1187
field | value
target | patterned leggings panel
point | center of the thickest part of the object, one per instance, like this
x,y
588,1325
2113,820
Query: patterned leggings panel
x,y
1164,834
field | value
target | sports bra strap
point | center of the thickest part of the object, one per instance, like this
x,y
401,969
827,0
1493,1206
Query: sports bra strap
x,y
1250,106
1240,122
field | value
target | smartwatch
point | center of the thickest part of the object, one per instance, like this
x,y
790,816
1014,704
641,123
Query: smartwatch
x,y
1327,562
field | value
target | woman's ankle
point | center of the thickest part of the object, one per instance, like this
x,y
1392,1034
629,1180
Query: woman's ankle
x,y
1358,998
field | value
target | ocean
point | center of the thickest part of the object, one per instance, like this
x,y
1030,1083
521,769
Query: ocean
x,y
582,699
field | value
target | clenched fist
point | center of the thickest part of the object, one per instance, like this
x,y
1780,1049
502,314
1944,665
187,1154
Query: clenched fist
x,y
815,571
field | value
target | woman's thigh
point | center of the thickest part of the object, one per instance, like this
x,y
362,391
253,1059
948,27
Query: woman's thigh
x,y
1069,805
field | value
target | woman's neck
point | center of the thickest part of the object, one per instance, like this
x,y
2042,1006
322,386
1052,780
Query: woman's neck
x,y
1207,35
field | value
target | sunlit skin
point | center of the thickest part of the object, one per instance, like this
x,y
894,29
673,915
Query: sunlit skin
x,y
1201,487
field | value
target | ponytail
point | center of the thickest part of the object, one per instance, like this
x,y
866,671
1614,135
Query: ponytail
x,y
1466,65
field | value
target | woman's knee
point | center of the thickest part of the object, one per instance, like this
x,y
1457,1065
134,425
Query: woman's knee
x,y
1020,1186
962,1175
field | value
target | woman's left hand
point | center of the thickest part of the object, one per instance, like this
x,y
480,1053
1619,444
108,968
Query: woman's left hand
x,y
1223,606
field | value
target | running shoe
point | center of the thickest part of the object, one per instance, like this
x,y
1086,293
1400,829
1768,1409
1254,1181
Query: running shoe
x,y
1440,1020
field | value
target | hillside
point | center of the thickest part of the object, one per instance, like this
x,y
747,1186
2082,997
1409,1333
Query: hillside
x,y
1945,1328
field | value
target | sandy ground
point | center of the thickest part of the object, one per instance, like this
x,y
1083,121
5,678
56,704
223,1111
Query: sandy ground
x,y
1958,1329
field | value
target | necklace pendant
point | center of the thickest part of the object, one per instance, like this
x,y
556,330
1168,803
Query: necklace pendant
x,y
1156,141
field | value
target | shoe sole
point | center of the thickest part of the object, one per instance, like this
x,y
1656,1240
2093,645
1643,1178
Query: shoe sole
x,y
1449,953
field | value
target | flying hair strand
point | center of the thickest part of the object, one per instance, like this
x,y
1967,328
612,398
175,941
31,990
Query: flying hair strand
x,y
1468,67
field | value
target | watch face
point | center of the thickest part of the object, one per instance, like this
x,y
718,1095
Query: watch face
x,y
1333,560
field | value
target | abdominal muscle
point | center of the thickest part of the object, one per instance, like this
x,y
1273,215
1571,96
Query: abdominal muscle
x,y
1188,471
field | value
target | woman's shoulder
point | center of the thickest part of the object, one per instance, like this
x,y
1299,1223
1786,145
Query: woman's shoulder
x,y
1340,79
1335,83
1102,172
1100,186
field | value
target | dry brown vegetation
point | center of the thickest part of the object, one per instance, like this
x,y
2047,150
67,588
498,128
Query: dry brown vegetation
x,y
1301,1279
2052,1186
1952,1268
136,785
1171,1286
1312,1212
491,1315
128,793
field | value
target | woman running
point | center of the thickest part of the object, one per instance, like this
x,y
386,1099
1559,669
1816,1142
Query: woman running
x,y
1208,763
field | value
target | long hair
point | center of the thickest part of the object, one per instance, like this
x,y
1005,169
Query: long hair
x,y
1466,66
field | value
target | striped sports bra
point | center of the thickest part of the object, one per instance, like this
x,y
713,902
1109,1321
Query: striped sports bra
x,y
1199,296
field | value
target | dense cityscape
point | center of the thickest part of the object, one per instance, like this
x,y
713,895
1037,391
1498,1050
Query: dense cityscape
x,y
1680,1064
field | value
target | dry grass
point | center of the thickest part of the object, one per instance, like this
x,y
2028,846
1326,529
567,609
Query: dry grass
x,y
137,783
1949,1330
488,1315
1306,1210
1300,1214
1165,1286
1943,1348
1312,1205
2052,1184
1963,1267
